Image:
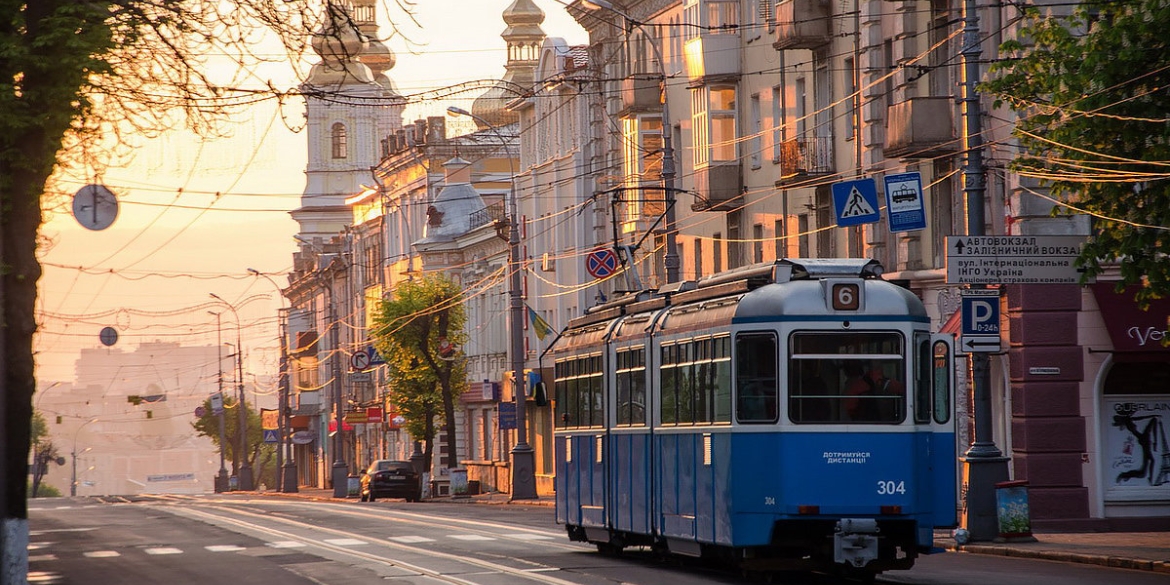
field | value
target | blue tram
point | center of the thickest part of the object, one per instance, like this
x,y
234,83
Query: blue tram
x,y
791,415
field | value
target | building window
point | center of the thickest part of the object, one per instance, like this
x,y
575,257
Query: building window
x,y
642,163
851,96
777,122
698,258
756,143
713,123
802,236
757,243
706,17
340,141
717,252
735,243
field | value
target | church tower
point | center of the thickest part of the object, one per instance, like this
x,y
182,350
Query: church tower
x,y
351,106
524,38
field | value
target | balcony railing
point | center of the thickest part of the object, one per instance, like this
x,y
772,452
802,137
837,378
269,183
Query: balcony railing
x,y
712,56
641,95
921,127
489,214
719,188
803,24
802,158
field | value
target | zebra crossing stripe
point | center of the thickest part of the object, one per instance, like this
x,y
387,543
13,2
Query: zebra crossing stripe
x,y
286,544
224,548
164,550
345,541
102,554
411,539
471,537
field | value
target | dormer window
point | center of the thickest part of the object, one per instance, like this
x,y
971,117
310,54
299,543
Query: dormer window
x,y
340,141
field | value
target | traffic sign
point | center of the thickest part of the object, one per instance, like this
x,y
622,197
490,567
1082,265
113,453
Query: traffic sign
x,y
905,208
1014,259
108,336
980,327
271,436
856,202
359,361
217,403
601,263
376,358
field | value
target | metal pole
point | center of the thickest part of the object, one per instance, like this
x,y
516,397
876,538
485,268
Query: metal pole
x,y
983,464
523,455
221,480
340,473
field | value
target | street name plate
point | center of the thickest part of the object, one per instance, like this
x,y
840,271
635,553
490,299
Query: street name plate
x,y
1014,259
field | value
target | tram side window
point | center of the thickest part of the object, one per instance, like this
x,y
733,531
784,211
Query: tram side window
x,y
578,392
695,382
631,387
755,375
839,378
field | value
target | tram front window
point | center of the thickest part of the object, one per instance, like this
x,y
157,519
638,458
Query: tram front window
x,y
837,378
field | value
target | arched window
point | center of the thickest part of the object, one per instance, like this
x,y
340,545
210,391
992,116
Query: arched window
x,y
340,148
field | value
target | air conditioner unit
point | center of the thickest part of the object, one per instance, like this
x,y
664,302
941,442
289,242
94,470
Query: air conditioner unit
x,y
548,263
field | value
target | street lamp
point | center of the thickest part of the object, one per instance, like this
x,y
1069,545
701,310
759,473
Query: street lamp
x,y
671,259
73,454
245,468
286,476
221,480
523,456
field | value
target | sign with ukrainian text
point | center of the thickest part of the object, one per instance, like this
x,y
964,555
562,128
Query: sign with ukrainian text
x,y
1014,259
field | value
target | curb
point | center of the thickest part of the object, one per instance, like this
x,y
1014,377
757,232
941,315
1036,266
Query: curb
x,y
1066,557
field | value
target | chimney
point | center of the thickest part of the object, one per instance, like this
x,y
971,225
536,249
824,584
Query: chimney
x,y
436,129
457,170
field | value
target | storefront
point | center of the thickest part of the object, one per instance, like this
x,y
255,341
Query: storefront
x,y
1133,391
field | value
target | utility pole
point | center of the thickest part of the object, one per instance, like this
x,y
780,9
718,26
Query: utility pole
x,y
245,469
221,480
983,464
340,472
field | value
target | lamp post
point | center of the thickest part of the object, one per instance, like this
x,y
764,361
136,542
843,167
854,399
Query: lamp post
x,y
670,260
73,455
983,464
221,480
242,443
286,476
523,456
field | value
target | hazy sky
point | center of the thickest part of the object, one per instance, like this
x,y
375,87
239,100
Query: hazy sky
x,y
194,217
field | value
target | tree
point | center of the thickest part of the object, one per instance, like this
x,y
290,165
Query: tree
x,y
259,453
44,452
1091,91
78,77
419,331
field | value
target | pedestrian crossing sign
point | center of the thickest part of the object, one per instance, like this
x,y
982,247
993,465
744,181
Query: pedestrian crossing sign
x,y
856,202
271,436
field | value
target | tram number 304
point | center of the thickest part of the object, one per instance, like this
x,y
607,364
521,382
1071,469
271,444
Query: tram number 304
x,y
886,488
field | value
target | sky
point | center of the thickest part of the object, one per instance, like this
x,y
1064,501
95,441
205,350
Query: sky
x,y
195,216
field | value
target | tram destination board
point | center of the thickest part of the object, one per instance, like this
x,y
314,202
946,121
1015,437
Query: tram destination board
x,y
1014,259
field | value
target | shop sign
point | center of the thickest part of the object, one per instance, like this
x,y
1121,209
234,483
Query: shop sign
x,y
1130,328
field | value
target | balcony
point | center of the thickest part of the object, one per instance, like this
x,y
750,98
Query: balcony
x,y
803,159
921,127
641,95
720,188
803,24
712,56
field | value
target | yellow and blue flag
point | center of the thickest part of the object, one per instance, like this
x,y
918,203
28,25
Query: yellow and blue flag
x,y
539,325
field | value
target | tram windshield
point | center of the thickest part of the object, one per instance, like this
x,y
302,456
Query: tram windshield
x,y
847,378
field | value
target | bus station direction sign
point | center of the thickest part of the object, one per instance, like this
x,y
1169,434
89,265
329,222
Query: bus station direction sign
x,y
1014,259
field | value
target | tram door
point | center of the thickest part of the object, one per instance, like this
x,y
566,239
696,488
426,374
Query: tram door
x,y
940,355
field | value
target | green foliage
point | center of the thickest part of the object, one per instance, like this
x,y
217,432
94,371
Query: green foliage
x,y
1091,89
412,331
258,452
44,490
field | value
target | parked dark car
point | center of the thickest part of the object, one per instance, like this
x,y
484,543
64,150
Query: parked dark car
x,y
390,479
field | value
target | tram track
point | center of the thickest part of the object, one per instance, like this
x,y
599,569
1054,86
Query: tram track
x,y
239,519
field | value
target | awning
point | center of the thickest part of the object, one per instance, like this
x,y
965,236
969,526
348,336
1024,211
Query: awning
x,y
1137,335
953,324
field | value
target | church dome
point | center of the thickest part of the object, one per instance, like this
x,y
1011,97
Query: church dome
x,y
339,44
524,37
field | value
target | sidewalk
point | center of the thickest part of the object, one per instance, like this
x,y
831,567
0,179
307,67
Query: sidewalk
x,y
1143,551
